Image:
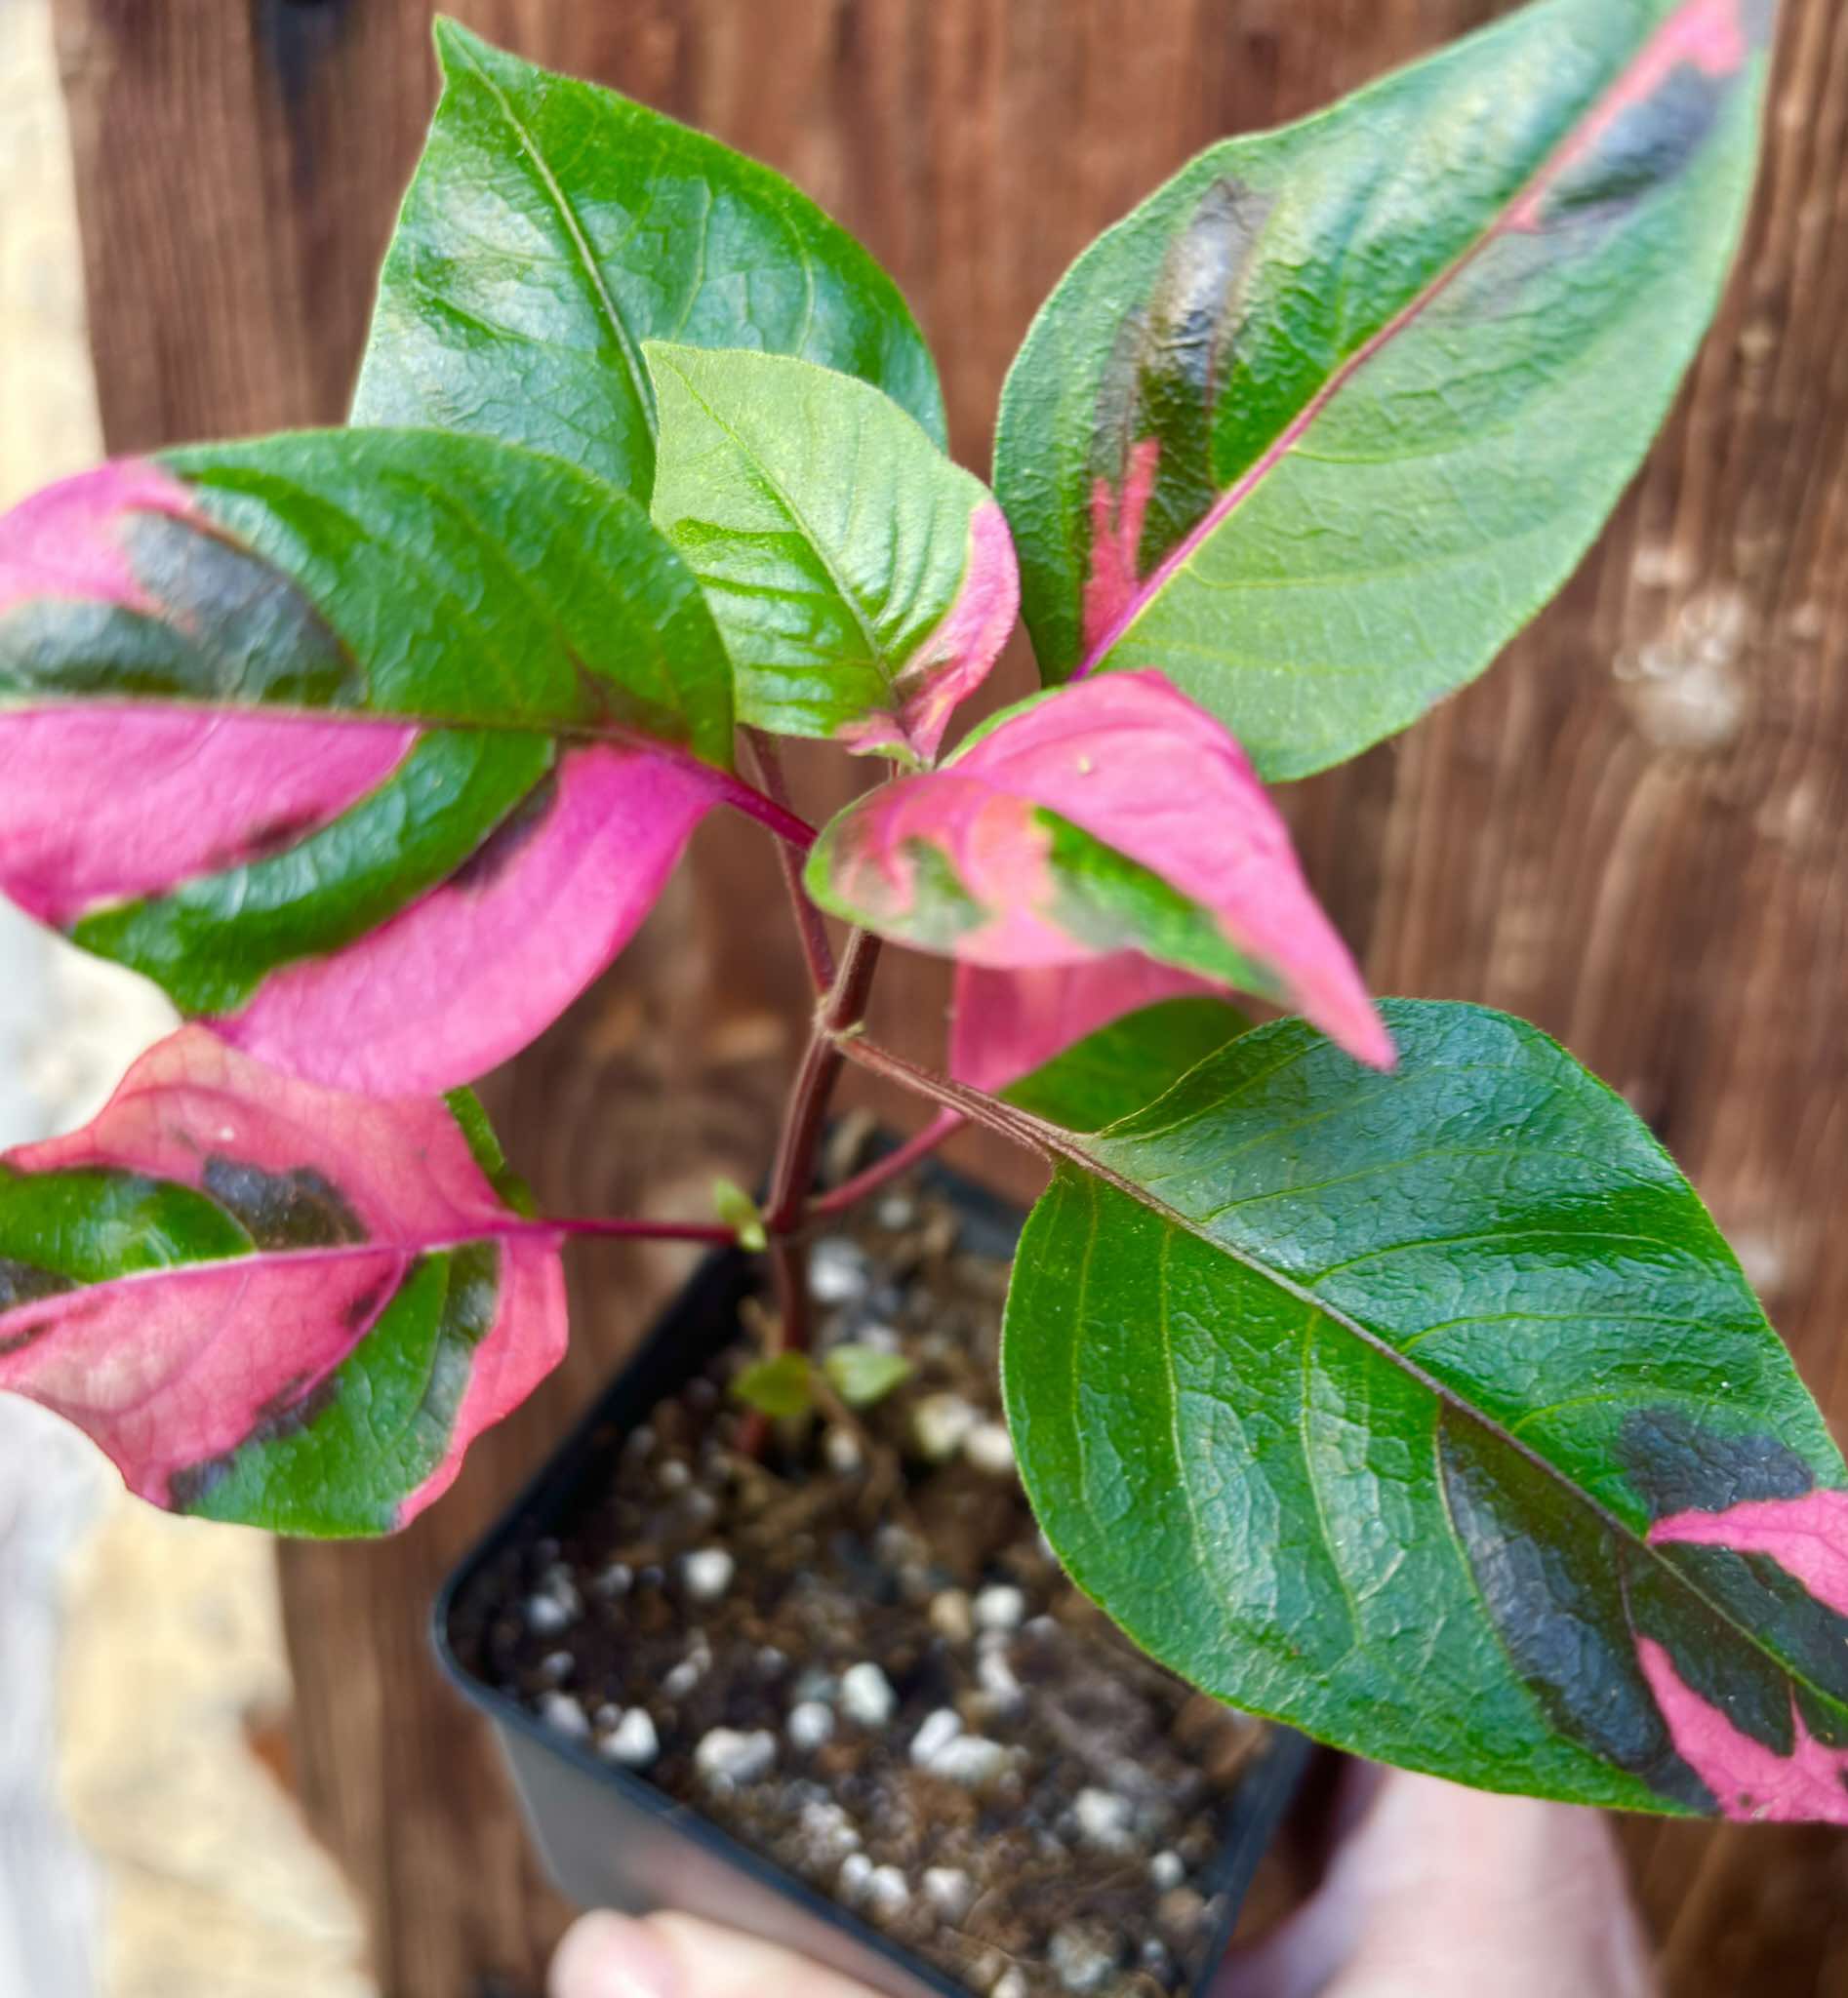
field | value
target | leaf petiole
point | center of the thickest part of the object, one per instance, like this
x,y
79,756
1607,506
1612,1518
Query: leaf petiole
x,y
945,1125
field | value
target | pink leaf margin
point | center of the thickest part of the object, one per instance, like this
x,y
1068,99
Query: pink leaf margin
x,y
956,658
64,541
106,803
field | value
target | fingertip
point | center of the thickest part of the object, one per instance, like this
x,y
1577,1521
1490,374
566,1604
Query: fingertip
x,y
606,1956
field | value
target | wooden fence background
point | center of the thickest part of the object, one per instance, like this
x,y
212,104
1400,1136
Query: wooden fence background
x,y
1633,832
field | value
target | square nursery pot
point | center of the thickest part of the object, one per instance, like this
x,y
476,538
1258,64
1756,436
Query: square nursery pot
x,y
609,1837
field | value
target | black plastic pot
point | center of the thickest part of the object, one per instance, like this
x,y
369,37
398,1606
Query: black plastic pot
x,y
610,1838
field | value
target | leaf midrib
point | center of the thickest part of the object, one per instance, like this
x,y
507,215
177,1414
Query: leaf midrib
x,y
554,192
1062,1144
876,651
401,1253
1180,556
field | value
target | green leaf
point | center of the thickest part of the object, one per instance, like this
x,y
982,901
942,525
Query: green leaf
x,y
864,583
781,1386
741,1213
459,580
1323,423
1116,1070
865,1375
553,226
1430,1414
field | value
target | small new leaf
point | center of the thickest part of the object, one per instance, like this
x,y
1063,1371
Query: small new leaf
x,y
863,583
781,1386
739,1213
865,1375
554,227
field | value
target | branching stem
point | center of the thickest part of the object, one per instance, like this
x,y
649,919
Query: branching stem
x,y
804,1122
945,1124
991,1112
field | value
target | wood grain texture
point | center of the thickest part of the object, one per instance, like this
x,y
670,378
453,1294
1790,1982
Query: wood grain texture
x,y
1631,832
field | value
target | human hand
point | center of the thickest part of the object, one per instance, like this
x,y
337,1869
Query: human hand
x,y
1438,1892
1434,1891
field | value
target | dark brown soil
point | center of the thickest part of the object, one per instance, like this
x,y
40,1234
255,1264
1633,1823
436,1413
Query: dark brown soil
x,y
1040,1812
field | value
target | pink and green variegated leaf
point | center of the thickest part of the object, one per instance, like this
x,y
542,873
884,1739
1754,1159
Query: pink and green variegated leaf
x,y
372,749
1430,1414
1322,423
1109,817
864,583
271,1303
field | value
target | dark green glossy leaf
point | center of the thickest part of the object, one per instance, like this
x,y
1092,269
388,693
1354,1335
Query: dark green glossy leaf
x,y
1323,423
864,583
1431,1413
554,227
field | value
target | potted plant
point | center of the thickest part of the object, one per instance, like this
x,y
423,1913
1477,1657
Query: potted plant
x,y
1373,1369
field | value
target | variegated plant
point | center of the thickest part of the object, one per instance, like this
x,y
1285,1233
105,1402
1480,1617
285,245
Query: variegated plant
x,y
1373,1367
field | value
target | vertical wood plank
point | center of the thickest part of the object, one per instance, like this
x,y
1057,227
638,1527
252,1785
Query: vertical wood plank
x,y
1633,832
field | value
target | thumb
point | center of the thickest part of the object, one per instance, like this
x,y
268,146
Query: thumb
x,y
674,1956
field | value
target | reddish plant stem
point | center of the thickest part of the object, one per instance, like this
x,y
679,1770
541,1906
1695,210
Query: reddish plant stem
x,y
746,798
725,786
945,1124
991,1112
803,1125
808,918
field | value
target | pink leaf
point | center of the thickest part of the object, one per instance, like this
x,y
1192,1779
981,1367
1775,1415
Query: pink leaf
x,y
1026,831
209,791
316,733
229,1245
1007,1024
453,986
